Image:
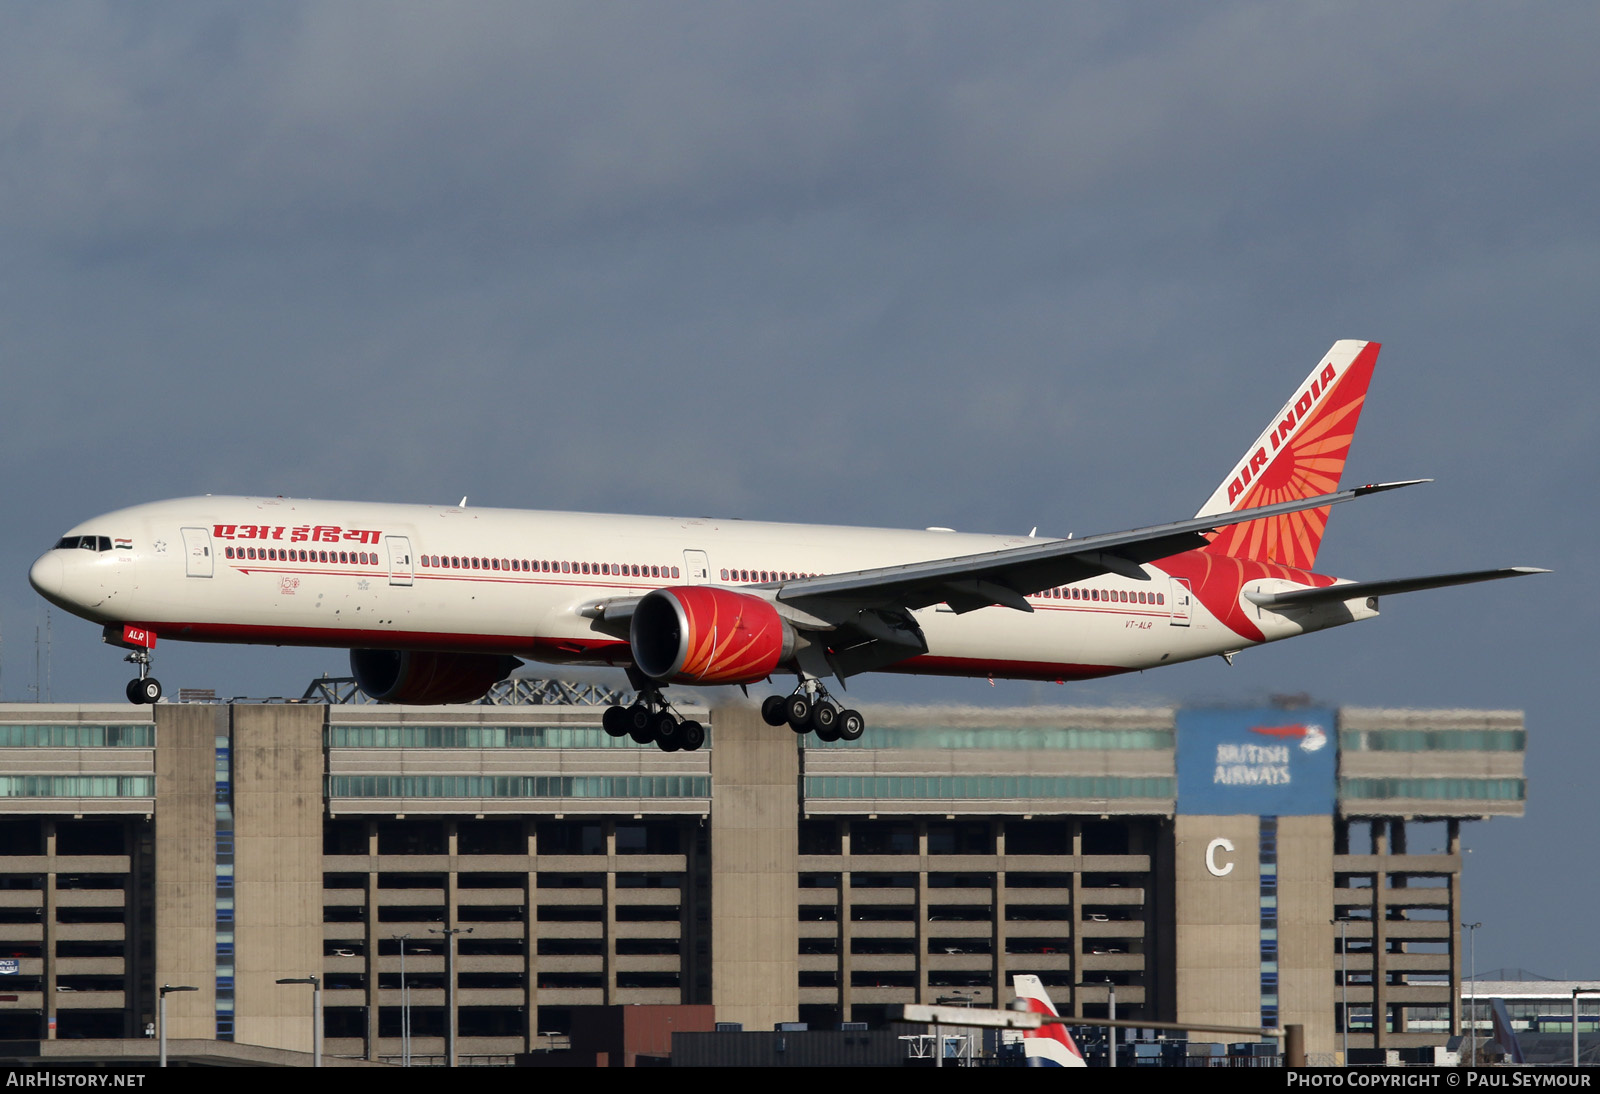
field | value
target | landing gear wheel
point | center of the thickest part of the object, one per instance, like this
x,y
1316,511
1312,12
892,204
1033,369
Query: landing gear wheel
x,y
664,727
824,719
615,721
692,735
669,744
147,690
639,724
132,692
851,725
797,709
772,711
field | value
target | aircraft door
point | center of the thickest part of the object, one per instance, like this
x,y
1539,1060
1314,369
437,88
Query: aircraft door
x,y
696,568
1182,601
400,565
197,558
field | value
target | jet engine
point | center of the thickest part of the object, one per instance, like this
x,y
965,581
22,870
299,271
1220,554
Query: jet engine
x,y
694,634
427,678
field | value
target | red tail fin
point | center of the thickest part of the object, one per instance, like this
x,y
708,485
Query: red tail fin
x,y
1300,455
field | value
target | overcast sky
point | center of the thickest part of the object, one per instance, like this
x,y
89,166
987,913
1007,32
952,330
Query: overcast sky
x,y
984,266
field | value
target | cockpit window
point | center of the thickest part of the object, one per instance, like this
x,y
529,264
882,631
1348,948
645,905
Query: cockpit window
x,y
84,543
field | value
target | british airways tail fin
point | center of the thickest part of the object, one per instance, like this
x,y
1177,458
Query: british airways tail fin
x,y
1300,455
1050,1045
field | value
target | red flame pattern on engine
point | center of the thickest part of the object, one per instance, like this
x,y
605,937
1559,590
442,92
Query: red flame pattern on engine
x,y
1309,464
732,638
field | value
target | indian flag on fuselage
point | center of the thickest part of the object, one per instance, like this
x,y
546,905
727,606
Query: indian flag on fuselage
x,y
1049,1045
1300,455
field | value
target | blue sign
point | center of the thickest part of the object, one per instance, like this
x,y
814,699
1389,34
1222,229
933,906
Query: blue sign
x,y
1265,762
10,966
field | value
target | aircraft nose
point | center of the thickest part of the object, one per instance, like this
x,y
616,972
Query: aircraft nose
x,y
48,577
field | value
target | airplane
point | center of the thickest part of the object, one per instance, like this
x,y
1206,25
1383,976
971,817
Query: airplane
x,y
1049,1045
437,604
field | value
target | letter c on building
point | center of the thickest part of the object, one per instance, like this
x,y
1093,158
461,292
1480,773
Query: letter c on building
x,y
1218,869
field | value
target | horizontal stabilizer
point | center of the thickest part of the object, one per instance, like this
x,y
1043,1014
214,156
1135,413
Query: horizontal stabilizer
x,y
1334,594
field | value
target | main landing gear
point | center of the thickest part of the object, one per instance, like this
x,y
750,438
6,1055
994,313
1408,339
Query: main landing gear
x,y
145,688
810,708
649,719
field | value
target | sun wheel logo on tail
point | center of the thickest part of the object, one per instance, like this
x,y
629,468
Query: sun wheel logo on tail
x,y
1301,455
702,635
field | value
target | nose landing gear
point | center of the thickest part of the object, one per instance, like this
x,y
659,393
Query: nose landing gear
x,y
138,641
144,688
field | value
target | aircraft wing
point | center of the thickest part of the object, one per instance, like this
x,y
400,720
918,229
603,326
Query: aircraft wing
x,y
868,612
1006,577
1351,590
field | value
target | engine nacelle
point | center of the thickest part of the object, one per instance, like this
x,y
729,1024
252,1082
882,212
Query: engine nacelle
x,y
426,678
695,634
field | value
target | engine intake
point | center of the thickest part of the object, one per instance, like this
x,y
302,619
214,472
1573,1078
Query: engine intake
x,y
427,678
695,634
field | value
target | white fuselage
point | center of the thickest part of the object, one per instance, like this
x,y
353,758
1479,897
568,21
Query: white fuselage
x,y
365,575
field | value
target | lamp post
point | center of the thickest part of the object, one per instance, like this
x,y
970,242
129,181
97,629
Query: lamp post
x,y
1472,1008
1111,1013
316,1013
1344,985
1575,993
405,1006
450,988
166,989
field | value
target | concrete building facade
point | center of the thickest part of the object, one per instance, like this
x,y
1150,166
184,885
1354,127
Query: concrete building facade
x,y
1243,868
